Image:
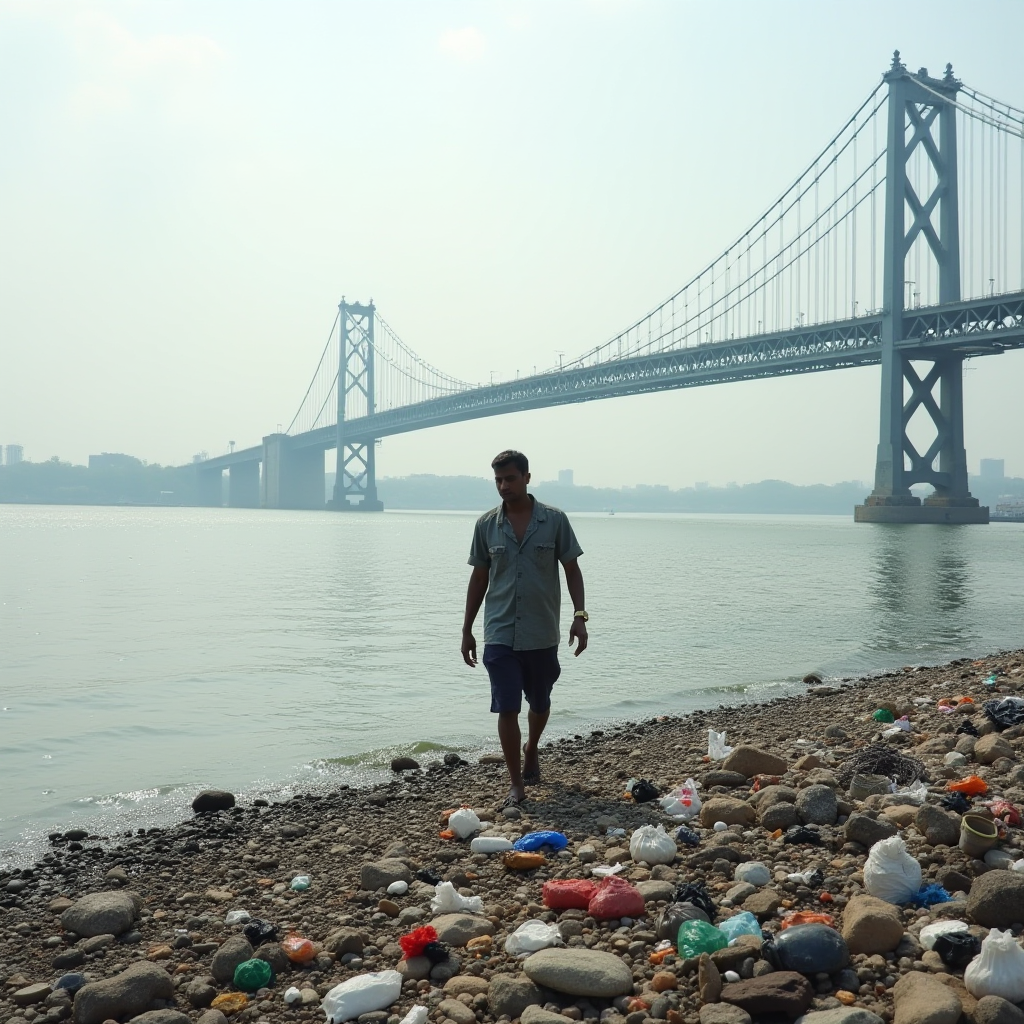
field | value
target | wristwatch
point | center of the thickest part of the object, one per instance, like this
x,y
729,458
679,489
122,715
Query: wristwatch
x,y
581,614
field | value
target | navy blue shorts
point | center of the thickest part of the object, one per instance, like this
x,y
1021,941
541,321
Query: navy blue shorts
x,y
515,673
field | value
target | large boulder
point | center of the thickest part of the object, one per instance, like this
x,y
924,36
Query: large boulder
x,y
871,925
818,805
213,800
101,913
939,827
863,829
992,747
996,899
750,761
841,1015
923,999
458,929
231,953
510,994
580,972
125,995
379,874
727,809
782,992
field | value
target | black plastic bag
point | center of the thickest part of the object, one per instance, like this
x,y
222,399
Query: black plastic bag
x,y
644,791
957,949
956,802
428,876
801,834
687,836
436,952
1005,712
258,931
807,948
966,728
697,894
675,914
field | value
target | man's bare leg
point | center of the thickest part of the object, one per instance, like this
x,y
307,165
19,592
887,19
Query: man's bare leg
x,y
531,758
511,737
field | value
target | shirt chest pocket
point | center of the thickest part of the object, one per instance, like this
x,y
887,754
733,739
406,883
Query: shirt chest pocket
x,y
496,553
544,555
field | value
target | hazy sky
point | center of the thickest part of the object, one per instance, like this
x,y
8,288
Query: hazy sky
x,y
188,188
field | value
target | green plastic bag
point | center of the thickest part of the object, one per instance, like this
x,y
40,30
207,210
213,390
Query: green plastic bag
x,y
696,937
252,974
884,715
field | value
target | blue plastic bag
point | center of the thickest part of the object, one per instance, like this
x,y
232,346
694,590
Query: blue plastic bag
x,y
929,895
535,840
687,836
743,923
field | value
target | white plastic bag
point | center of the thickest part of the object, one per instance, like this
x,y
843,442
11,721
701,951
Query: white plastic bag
x,y
447,901
604,870
652,845
717,748
490,844
891,873
683,802
531,936
998,970
237,917
417,1015
915,793
930,932
464,822
364,993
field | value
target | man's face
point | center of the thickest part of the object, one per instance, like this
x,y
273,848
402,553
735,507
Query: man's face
x,y
510,482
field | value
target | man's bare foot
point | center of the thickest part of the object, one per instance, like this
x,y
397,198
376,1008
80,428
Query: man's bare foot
x,y
531,765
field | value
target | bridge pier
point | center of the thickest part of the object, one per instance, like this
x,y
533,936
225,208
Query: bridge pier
x,y
209,486
292,477
244,485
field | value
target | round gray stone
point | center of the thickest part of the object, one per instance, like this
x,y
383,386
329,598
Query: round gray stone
x,y
580,972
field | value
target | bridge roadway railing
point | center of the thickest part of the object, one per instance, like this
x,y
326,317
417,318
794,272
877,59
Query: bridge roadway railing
x,y
974,327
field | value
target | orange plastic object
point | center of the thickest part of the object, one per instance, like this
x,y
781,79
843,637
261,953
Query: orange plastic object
x,y
517,860
445,815
971,786
776,833
659,956
845,997
824,897
297,948
964,700
230,1002
947,702
807,917
446,834
636,1003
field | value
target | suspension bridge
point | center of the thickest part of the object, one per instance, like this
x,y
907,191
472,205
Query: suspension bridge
x,y
900,244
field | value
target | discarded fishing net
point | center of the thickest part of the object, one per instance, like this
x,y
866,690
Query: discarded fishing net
x,y
881,759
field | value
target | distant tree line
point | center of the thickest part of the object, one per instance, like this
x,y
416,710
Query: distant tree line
x,y
61,483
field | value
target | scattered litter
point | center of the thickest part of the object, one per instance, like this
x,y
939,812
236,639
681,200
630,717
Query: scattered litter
x,y
364,993
615,832
966,728
531,936
915,793
801,834
536,840
642,790
958,949
931,932
651,844
398,888
568,893
717,747
697,894
417,1015
615,897
812,879
300,883
956,802
446,900
1018,865
687,836
237,917
798,917
881,759
292,995
929,895
606,870
972,785
696,937
517,860
807,948
675,914
743,923
884,715
257,932
891,873
428,876
424,942
683,802
490,844
464,822
297,948
1005,812
252,974
998,970
1006,712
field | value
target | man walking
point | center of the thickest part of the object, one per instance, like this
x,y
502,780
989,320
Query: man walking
x,y
515,555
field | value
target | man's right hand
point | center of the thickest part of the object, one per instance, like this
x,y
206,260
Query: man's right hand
x,y
469,648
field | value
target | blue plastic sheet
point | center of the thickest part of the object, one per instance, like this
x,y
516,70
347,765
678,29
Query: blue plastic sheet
x,y
743,923
929,895
535,840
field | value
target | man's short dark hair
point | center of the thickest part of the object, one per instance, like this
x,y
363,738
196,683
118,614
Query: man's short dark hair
x,y
518,459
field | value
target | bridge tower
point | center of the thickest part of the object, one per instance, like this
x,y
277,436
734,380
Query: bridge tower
x,y
922,113
355,483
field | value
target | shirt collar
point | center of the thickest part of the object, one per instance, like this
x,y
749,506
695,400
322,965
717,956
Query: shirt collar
x,y
539,511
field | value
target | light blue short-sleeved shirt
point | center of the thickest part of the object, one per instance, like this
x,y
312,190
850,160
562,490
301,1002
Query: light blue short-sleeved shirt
x,y
523,591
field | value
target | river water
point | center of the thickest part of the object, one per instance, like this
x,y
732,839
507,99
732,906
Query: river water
x,y
146,653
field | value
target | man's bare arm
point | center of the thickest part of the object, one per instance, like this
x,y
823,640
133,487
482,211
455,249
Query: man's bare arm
x,y
474,598
574,584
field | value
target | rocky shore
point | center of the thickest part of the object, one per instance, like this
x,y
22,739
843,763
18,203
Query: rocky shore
x,y
134,927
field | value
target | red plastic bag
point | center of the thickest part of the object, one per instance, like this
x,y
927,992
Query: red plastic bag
x,y
298,949
568,894
616,898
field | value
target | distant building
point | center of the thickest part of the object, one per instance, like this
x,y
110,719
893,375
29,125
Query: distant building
x,y
200,457
113,460
15,453
992,469
565,478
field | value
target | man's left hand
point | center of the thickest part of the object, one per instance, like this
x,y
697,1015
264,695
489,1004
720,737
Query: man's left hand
x,y
578,632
